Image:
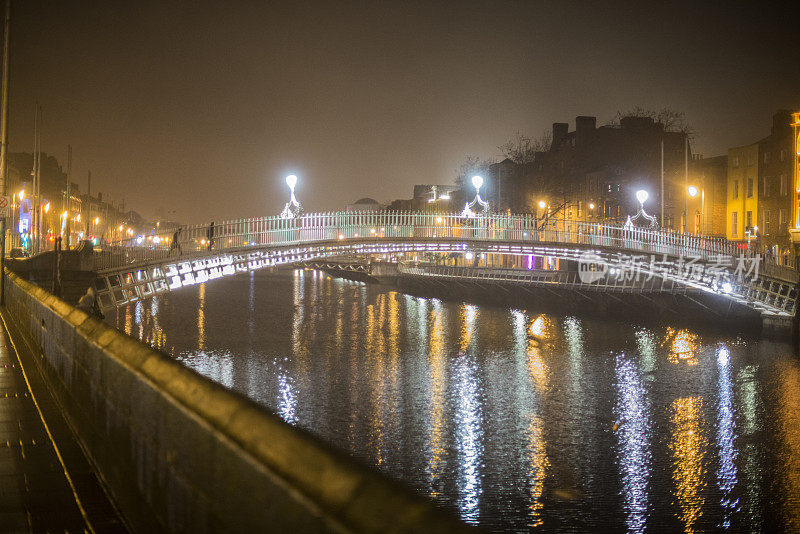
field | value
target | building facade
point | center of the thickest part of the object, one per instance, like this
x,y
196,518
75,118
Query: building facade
x,y
762,186
593,173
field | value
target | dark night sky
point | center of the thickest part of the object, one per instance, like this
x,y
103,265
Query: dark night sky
x,y
204,107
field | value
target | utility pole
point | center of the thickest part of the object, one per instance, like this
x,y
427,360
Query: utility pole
x,y
67,207
662,179
4,151
686,183
34,210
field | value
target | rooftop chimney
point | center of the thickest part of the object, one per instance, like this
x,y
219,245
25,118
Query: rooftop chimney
x,y
585,124
560,130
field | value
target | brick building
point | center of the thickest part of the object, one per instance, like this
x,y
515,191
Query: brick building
x,y
761,190
594,172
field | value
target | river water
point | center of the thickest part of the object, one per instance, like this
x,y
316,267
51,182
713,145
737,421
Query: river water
x,y
514,419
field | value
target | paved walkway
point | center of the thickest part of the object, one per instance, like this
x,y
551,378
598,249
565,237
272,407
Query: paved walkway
x,y
37,492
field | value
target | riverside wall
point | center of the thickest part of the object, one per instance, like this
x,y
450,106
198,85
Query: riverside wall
x,y
180,453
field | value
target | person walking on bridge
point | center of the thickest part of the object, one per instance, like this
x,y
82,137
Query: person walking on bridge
x,y
210,236
176,242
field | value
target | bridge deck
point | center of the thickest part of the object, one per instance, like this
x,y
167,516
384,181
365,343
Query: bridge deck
x,y
36,494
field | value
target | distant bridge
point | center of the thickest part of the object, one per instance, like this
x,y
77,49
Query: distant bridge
x,y
140,267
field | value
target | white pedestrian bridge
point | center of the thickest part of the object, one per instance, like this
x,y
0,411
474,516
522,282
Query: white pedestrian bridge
x,y
140,267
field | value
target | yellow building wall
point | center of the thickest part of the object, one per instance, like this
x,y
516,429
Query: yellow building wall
x,y
742,165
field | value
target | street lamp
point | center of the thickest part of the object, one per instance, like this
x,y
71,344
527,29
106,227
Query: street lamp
x,y
693,192
651,222
477,182
292,208
642,196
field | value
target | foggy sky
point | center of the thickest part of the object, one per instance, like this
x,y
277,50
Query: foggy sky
x,y
202,108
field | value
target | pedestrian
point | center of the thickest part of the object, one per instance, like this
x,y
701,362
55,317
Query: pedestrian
x,y
176,242
88,303
210,236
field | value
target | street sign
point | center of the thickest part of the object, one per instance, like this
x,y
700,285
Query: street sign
x,y
5,206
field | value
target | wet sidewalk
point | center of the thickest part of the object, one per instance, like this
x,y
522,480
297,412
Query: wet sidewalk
x,y
43,487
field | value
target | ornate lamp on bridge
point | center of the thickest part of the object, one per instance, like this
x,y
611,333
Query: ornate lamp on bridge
x,y
642,219
477,182
292,208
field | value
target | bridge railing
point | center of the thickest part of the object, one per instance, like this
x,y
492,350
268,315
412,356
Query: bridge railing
x,y
314,228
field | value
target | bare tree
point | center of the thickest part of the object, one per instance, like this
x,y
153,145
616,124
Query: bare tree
x,y
471,166
522,149
673,120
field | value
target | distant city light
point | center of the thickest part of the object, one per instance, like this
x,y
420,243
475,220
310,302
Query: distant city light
x,y
591,205
468,256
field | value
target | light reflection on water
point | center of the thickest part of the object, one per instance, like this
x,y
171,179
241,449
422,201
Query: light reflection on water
x,y
633,432
514,419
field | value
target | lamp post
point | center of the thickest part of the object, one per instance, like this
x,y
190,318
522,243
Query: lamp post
x,y
692,191
477,182
46,211
642,196
292,208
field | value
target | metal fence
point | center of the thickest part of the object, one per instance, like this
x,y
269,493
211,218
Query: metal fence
x,y
553,278
315,228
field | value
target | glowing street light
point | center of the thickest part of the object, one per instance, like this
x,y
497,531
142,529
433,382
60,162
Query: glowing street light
x,y
692,191
47,207
97,220
477,182
292,208
542,204
652,222
22,195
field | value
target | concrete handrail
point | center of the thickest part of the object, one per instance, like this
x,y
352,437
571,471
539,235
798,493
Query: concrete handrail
x,y
180,452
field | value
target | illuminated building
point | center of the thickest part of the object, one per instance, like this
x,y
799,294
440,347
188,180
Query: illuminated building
x,y
762,191
794,152
592,172
742,197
